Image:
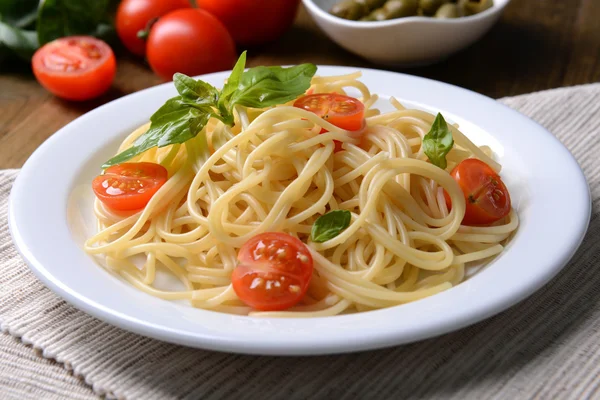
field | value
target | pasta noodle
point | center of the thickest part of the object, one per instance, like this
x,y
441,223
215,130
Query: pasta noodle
x,y
274,171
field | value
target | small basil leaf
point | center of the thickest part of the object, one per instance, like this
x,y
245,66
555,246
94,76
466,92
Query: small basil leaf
x,y
268,86
175,122
438,142
22,43
330,225
198,92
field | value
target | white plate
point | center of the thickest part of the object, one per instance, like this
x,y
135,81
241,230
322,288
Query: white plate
x,y
49,217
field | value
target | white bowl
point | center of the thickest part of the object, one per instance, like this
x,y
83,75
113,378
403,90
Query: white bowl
x,y
406,41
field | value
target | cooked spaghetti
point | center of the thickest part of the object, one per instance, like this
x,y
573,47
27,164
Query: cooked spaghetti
x,y
276,171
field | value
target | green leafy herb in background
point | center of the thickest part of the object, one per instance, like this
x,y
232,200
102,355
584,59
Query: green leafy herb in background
x,y
438,142
27,24
17,28
330,225
183,117
59,18
21,14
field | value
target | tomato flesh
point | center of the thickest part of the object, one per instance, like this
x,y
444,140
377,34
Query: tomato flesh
x,y
75,67
342,111
487,198
129,186
273,273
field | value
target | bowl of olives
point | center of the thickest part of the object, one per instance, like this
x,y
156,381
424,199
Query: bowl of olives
x,y
405,32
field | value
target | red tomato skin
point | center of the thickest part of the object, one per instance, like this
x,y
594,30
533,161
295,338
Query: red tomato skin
x,y
352,121
153,176
134,15
253,22
189,41
278,276
77,85
473,175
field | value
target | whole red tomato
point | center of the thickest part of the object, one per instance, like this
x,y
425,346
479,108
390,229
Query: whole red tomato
x,y
189,41
253,22
134,15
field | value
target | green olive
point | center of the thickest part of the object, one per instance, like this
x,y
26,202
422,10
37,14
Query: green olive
x,y
401,8
349,9
369,17
371,4
429,7
377,15
449,11
475,6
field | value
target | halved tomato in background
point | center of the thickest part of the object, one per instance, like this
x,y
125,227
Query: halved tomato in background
x,y
342,111
129,186
274,272
75,67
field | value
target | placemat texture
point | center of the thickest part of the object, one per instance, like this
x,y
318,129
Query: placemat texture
x,y
548,346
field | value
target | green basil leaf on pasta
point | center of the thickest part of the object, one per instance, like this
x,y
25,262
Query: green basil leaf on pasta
x,y
175,122
183,117
261,87
195,91
224,105
330,225
234,79
438,142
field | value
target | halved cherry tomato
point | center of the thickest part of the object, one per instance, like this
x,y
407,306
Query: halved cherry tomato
x,y
487,198
134,15
75,67
342,111
129,186
274,271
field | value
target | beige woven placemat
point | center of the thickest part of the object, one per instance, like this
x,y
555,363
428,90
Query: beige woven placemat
x,y
548,346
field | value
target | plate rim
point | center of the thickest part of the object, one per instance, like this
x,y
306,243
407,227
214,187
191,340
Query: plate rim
x,y
330,345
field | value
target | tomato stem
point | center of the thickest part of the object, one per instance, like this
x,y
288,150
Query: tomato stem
x,y
143,34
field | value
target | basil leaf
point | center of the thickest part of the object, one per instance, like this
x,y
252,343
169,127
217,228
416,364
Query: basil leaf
x,y
224,106
19,13
261,87
234,79
175,122
438,142
22,43
198,92
183,117
330,225
59,18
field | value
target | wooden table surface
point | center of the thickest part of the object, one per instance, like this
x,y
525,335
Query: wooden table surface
x,y
538,44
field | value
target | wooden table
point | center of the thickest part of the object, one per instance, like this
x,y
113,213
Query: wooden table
x,y
538,44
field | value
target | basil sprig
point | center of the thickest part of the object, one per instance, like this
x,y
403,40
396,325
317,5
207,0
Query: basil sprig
x,y
183,117
330,225
438,142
